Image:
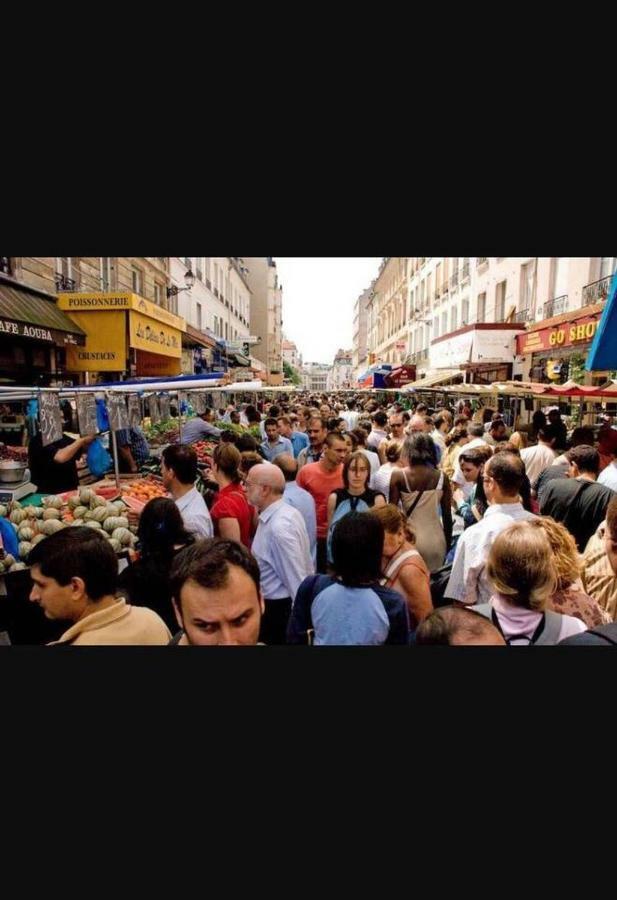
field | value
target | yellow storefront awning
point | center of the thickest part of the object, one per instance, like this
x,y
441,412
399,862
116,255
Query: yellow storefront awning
x,y
433,379
111,320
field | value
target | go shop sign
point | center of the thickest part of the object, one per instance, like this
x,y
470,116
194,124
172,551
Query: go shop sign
x,y
568,334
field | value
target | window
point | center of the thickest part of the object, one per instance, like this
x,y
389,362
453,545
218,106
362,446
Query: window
x,y
207,267
64,266
5,264
136,280
465,312
528,286
105,273
226,331
422,290
187,261
482,307
444,322
198,269
436,327
453,318
561,266
158,294
216,325
198,314
608,264
500,301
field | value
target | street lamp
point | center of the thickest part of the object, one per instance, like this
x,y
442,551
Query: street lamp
x,y
189,280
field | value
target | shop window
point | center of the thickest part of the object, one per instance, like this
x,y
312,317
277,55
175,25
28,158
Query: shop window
x,y
136,280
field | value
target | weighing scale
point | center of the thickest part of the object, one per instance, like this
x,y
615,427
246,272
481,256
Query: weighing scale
x,y
10,492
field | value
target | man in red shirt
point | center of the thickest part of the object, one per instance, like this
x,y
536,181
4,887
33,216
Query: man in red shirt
x,y
320,479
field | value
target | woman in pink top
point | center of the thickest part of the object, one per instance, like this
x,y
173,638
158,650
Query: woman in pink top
x,y
523,573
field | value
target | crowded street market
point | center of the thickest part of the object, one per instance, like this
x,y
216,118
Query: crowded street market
x,y
216,508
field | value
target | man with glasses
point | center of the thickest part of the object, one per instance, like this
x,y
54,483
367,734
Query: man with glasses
x,y
396,425
280,546
503,479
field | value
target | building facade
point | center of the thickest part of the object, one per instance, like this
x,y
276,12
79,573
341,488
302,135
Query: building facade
x,y
315,377
116,307
291,354
341,375
494,318
360,331
387,321
216,311
266,314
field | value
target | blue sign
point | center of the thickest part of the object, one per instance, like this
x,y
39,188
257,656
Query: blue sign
x,y
603,354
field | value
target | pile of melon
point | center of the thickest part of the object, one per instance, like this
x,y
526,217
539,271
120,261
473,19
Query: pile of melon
x,y
34,523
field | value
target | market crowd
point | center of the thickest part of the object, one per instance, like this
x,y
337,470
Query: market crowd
x,y
338,520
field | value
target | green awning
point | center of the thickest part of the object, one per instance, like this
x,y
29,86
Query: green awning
x,y
25,313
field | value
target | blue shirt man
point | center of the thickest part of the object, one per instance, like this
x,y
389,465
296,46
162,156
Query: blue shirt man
x,y
299,440
274,443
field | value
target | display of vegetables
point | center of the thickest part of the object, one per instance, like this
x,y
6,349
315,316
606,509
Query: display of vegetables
x,y
144,489
164,432
204,450
33,524
17,454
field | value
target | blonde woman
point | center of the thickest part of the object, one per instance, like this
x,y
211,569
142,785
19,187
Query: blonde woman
x,y
569,597
403,568
524,576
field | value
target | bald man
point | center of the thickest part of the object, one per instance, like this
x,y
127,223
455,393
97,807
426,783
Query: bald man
x,y
299,498
281,548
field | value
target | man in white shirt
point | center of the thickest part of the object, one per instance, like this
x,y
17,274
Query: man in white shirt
x,y
351,416
378,431
541,457
503,479
299,498
475,432
281,548
179,473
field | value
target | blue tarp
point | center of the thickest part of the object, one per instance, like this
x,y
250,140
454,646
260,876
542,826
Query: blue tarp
x,y
603,354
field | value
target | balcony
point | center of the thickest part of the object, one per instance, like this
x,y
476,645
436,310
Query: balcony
x,y
5,264
597,291
481,261
523,315
454,280
216,293
465,272
63,283
208,284
555,307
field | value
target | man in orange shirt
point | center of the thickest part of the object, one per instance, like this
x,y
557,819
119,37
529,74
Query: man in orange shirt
x,y
320,479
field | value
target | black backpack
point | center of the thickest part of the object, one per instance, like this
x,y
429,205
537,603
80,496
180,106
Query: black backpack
x,y
439,583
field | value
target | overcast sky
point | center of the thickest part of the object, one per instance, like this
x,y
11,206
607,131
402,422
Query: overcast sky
x,y
318,299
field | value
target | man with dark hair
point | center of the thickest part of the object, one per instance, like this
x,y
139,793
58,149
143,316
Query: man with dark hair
x,y
578,502
299,440
275,443
351,607
299,499
351,416
561,464
179,473
454,626
75,576
503,478
559,428
541,457
200,428
216,594
378,431
321,479
497,432
317,429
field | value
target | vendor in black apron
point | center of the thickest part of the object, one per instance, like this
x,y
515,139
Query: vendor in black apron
x,y
53,469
